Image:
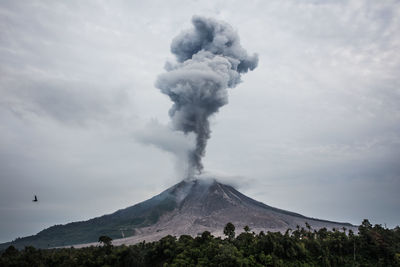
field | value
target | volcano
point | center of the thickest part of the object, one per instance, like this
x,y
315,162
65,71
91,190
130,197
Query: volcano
x,y
189,207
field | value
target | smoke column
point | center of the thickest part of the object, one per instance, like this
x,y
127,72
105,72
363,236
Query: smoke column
x,y
210,60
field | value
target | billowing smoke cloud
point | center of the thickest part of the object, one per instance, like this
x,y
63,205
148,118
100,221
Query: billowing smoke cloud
x,y
210,59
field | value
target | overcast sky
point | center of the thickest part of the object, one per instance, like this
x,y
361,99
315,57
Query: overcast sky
x,y
314,129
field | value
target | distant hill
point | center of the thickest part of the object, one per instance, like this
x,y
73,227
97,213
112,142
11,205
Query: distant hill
x,y
189,207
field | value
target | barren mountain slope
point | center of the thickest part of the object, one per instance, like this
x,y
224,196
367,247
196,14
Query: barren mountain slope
x,y
208,205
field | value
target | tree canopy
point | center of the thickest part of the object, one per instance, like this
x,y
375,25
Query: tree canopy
x,y
372,246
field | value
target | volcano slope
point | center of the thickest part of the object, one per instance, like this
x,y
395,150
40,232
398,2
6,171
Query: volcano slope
x,y
189,207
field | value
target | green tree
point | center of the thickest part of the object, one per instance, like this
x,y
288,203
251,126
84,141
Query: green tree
x,y
105,240
229,230
308,226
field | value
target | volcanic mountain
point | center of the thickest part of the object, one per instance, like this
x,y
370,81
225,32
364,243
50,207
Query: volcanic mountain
x,y
189,207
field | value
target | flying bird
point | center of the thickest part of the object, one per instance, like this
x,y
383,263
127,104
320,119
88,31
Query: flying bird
x,y
35,199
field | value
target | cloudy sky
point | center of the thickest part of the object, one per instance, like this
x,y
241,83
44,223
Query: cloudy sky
x,y
314,129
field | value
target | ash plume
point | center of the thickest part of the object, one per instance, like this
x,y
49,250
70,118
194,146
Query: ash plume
x,y
210,60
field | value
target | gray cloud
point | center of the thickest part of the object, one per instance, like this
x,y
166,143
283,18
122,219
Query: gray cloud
x,y
70,102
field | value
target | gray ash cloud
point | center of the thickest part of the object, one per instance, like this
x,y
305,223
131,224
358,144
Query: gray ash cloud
x,y
210,60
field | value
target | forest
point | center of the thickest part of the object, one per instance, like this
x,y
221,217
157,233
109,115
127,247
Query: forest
x,y
371,246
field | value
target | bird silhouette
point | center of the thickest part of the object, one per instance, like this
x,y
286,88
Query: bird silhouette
x,y
35,199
